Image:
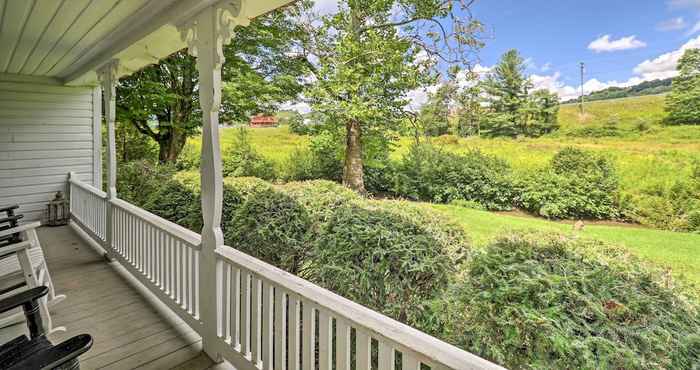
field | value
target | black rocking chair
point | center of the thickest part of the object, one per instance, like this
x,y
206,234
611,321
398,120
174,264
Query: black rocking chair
x,y
36,351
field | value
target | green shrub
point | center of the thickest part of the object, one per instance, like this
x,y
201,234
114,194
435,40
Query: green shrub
x,y
240,159
430,174
595,132
389,256
137,180
576,184
542,302
177,202
664,206
272,226
694,220
323,159
189,158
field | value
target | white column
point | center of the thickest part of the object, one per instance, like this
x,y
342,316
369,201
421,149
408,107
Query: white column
x,y
108,78
205,36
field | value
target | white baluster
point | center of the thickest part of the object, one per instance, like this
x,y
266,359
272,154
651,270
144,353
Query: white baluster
x,y
364,350
343,348
293,349
386,356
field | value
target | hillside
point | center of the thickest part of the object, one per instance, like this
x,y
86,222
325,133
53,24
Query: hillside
x,y
645,88
617,117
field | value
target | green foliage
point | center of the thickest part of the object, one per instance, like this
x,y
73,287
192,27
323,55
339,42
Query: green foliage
x,y
136,180
389,256
178,202
258,77
665,206
272,226
577,184
189,158
322,159
297,125
539,302
430,174
435,114
241,159
511,110
683,103
694,220
370,55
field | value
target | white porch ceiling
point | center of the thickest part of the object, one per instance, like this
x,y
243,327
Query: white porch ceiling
x,y
69,39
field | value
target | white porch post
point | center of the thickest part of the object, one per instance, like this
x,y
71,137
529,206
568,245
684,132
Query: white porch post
x,y
108,78
205,36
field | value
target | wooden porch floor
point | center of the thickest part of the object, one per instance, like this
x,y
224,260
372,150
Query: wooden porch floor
x,y
128,330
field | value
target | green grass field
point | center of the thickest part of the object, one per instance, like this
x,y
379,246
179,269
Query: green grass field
x,y
678,251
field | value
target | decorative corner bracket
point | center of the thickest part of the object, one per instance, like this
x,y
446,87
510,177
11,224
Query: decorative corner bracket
x,y
221,19
108,71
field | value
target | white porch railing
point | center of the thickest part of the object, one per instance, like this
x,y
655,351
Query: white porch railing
x,y
266,318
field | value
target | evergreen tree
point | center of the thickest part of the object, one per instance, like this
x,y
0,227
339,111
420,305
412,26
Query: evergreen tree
x,y
683,103
435,114
511,108
470,111
506,90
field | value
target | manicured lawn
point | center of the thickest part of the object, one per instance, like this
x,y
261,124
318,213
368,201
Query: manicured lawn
x,y
678,251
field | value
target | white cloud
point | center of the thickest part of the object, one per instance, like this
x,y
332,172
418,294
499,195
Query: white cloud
x,y
605,44
695,29
546,67
418,97
664,66
673,24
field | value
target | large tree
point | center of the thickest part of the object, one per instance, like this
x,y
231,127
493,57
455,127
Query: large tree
x,y
683,103
511,107
368,56
160,101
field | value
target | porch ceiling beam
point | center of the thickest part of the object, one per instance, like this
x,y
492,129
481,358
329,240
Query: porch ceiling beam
x,y
149,19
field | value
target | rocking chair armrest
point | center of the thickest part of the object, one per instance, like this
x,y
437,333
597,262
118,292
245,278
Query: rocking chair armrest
x,y
14,248
23,298
20,228
58,355
9,208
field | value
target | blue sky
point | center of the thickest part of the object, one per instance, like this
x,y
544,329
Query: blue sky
x,y
636,39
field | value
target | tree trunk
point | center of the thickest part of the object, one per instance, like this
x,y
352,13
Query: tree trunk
x,y
353,176
170,146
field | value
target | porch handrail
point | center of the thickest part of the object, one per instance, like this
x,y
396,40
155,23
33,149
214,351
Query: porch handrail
x,y
415,346
87,187
182,233
265,315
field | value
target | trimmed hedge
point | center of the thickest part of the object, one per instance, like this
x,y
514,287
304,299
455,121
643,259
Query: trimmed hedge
x,y
543,301
390,256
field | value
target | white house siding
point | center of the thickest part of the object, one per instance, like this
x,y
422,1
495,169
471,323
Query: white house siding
x,y
46,131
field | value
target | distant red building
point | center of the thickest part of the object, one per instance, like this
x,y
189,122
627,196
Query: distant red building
x,y
263,121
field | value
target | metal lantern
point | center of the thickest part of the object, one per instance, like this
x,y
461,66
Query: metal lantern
x,y
58,211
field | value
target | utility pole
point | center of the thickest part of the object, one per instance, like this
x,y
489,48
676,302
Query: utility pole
x,y
583,68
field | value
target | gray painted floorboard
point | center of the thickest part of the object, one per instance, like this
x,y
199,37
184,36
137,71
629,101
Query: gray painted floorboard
x,y
128,331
